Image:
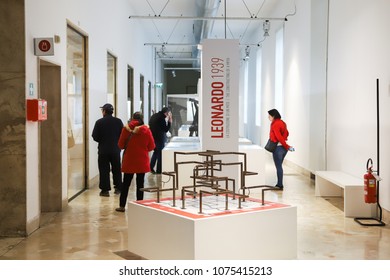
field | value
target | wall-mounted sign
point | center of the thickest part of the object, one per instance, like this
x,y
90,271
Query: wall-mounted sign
x,y
43,46
158,85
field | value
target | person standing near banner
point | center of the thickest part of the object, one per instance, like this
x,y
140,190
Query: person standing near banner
x,y
279,133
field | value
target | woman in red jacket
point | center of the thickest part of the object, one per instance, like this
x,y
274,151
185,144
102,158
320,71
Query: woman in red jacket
x,y
279,133
137,141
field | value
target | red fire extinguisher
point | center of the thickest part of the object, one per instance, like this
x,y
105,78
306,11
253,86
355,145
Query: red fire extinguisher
x,y
370,195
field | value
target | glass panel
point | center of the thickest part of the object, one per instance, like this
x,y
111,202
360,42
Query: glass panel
x,y
76,114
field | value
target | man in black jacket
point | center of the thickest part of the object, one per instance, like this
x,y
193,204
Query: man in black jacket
x,y
159,124
106,132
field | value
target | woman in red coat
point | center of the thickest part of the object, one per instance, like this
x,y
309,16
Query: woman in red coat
x,y
279,133
137,141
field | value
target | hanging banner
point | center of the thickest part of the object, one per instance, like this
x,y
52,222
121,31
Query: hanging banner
x,y
219,95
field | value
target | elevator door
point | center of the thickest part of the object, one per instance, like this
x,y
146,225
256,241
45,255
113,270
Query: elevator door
x,y
76,117
50,139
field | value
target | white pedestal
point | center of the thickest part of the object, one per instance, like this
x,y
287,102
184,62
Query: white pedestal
x,y
249,234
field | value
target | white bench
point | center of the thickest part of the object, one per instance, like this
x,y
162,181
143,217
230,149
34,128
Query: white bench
x,y
336,183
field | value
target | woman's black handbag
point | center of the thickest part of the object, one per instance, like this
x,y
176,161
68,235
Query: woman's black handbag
x,y
271,146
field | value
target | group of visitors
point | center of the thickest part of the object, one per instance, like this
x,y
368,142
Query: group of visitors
x,y
136,139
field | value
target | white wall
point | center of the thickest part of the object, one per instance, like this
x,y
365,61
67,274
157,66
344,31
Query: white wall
x,y
250,110
330,72
359,44
304,87
296,88
108,28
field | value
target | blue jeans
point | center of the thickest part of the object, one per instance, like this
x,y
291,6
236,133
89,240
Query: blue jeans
x,y
279,154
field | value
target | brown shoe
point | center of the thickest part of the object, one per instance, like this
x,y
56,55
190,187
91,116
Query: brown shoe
x,y
120,209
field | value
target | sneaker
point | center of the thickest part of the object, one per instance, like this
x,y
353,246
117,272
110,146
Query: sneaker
x,y
104,193
279,187
152,171
120,209
117,191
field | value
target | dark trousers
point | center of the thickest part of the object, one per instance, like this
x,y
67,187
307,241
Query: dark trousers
x,y
157,157
107,163
127,178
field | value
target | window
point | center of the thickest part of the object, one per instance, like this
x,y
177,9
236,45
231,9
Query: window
x,y
259,60
246,81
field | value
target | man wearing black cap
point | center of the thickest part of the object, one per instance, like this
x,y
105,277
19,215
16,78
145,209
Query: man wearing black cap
x,y
106,132
159,124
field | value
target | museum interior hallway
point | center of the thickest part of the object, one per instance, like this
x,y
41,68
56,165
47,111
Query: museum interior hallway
x,y
91,229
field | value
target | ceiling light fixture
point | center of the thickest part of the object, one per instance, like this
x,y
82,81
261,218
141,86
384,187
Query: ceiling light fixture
x,y
163,49
266,27
247,52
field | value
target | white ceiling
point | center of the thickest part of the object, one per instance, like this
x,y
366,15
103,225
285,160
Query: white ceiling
x,y
178,24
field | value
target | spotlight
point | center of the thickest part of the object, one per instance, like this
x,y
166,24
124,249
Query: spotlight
x,y
266,27
163,49
247,51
